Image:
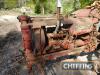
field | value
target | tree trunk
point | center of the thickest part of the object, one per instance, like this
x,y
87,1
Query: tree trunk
x,y
43,11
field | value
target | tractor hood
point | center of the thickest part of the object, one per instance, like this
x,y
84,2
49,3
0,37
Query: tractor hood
x,y
86,13
81,26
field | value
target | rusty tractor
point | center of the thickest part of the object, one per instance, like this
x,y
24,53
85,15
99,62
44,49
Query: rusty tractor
x,y
44,40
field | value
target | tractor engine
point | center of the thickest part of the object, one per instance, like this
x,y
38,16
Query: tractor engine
x,y
78,33
41,43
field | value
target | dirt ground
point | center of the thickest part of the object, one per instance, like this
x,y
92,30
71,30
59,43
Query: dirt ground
x,y
11,60
10,42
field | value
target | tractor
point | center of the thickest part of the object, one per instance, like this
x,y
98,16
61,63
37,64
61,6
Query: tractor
x,y
54,39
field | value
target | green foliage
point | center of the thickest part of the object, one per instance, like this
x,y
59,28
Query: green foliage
x,y
37,9
46,6
1,4
9,4
67,6
70,6
31,5
50,6
85,2
40,6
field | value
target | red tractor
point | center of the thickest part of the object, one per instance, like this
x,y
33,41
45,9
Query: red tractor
x,y
44,40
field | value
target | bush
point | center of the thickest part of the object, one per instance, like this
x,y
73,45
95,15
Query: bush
x,y
85,2
9,4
